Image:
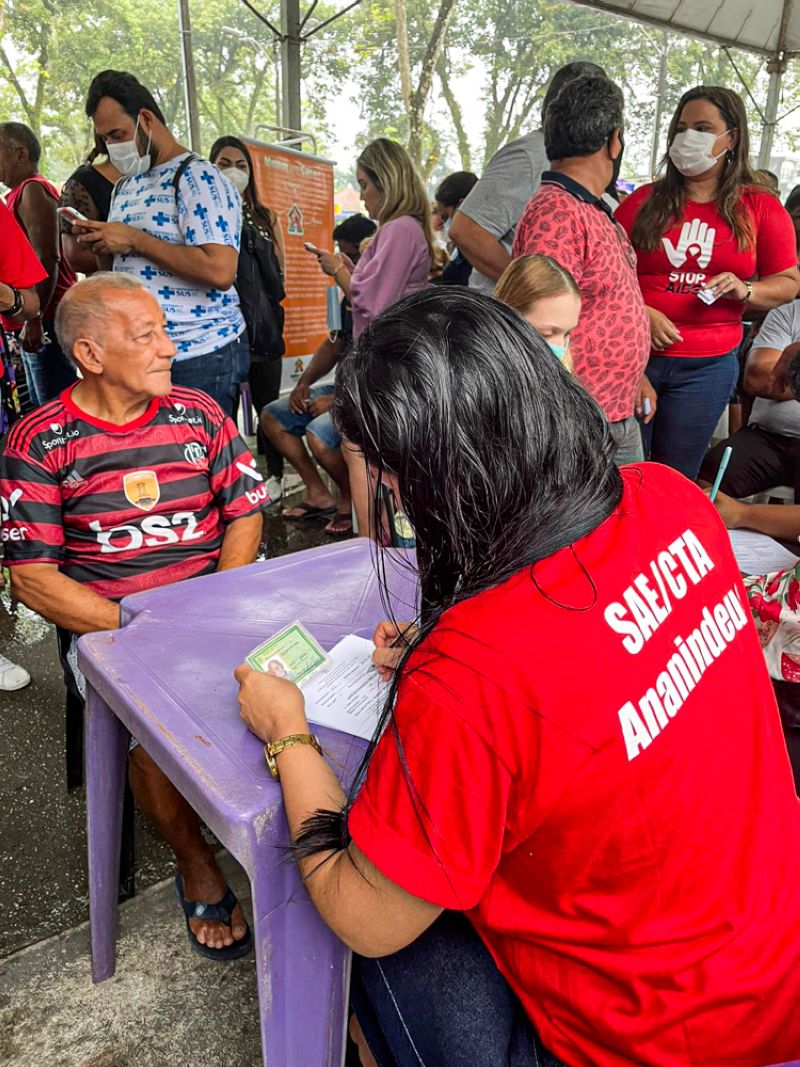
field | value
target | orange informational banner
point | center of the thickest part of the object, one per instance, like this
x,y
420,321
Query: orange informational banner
x,y
299,189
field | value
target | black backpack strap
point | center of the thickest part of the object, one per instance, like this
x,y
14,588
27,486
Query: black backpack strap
x,y
181,170
118,185
176,177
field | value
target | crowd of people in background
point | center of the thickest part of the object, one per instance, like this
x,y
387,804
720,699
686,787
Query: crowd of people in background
x,y
598,331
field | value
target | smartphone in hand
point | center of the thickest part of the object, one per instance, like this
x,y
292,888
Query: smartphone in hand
x,y
71,214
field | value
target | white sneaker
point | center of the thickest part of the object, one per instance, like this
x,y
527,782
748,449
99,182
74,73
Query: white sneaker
x,y
12,676
274,488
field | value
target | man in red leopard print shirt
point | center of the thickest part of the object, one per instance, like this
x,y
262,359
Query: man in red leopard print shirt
x,y
568,219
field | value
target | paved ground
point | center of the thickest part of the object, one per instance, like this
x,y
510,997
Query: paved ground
x,y
166,1005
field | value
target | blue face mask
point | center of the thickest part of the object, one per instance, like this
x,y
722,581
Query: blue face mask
x,y
559,351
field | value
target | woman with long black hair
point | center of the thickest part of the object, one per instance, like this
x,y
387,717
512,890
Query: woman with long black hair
x,y
580,751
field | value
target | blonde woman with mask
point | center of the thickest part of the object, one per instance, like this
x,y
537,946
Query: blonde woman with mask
x,y
546,296
396,263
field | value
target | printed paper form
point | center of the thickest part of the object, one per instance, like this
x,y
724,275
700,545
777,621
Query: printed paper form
x,y
348,694
758,554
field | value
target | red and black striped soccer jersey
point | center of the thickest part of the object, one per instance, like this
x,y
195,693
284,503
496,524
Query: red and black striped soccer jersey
x,y
125,508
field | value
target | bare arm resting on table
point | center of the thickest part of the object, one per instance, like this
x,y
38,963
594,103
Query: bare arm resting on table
x,y
61,600
777,520
373,916
240,543
65,602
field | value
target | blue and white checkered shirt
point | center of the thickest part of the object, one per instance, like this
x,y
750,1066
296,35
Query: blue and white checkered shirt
x,y
206,210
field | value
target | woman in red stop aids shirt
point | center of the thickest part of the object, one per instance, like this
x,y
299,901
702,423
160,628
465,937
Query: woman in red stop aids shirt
x,y
706,226
578,831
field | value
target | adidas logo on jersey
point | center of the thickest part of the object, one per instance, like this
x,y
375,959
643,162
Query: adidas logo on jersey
x,y
74,479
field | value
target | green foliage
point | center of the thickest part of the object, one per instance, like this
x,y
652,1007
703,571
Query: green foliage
x,y
497,61
51,50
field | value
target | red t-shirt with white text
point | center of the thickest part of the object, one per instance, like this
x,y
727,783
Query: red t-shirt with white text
x,y
601,783
700,247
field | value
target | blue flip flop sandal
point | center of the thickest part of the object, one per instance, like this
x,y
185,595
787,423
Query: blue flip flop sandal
x,y
219,912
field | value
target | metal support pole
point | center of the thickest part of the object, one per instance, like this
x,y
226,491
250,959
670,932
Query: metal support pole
x,y
189,83
662,88
776,68
290,64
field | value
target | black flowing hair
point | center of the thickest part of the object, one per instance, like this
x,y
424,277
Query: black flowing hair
x,y
264,214
501,457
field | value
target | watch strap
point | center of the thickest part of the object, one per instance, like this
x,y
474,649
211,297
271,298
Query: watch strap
x,y
17,304
274,748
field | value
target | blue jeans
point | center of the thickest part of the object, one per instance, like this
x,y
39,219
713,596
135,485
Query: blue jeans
x,y
692,394
48,372
216,373
321,427
441,1002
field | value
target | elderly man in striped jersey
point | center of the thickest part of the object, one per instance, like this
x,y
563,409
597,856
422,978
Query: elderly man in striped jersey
x,y
120,484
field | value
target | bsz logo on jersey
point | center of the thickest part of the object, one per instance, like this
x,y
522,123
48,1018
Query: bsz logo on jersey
x,y
155,530
142,489
8,532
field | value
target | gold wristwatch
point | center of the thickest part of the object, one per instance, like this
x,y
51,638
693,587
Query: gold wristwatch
x,y
274,748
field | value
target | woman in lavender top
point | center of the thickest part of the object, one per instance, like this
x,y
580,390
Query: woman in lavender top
x,y
396,263
398,260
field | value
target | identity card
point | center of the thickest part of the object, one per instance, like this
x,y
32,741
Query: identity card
x,y
292,654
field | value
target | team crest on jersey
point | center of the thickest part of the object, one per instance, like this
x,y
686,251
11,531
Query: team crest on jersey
x,y
142,489
195,453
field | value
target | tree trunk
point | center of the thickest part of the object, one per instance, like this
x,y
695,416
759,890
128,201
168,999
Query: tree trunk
x,y
456,115
429,62
14,81
403,53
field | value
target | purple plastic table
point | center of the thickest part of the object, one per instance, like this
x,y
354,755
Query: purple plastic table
x,y
167,678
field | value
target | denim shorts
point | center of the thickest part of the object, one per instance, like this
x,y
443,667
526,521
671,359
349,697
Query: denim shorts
x,y
322,427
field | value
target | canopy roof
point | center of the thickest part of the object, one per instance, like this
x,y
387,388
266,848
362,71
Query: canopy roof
x,y
766,26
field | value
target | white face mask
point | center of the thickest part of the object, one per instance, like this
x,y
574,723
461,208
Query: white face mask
x,y
692,152
125,155
239,177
